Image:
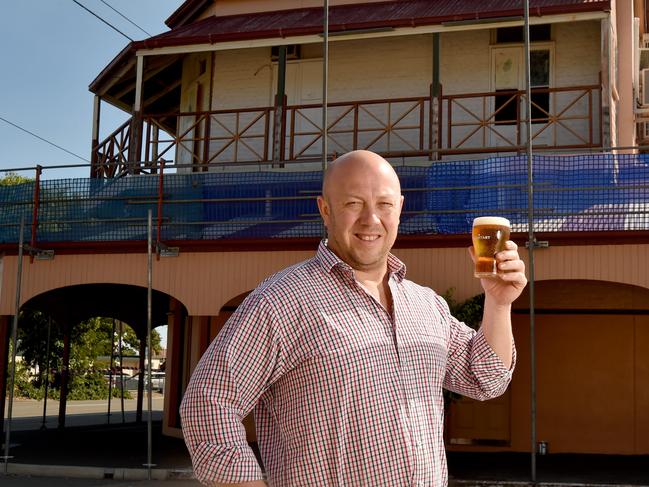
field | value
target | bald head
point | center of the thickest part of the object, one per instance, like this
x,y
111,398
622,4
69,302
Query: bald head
x,y
359,162
360,206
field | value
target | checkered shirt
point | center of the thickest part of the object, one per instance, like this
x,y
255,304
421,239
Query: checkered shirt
x,y
344,394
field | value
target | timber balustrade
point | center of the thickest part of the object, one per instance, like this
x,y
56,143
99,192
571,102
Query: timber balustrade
x,y
404,128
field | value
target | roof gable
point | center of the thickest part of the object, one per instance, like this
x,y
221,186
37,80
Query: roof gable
x,y
187,12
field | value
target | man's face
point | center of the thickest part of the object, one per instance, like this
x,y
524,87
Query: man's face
x,y
361,209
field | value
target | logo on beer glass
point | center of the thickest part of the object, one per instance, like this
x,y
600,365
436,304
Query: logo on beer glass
x,y
489,236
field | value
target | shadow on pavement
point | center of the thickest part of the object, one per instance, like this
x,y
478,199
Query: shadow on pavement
x,y
553,468
115,445
125,446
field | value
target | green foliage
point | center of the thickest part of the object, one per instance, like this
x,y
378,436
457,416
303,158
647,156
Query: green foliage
x,y
87,386
13,179
470,312
91,385
131,343
32,342
23,384
88,341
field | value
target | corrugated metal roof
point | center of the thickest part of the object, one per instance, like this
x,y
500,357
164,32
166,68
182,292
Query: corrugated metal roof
x,y
404,13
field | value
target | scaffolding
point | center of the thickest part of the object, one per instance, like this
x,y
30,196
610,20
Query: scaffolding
x,y
605,191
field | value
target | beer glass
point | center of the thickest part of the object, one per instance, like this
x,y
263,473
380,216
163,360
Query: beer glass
x,y
489,236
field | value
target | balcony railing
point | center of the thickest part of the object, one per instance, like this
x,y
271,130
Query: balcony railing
x,y
585,193
406,128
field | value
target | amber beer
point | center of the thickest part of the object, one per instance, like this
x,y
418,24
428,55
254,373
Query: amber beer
x,y
489,236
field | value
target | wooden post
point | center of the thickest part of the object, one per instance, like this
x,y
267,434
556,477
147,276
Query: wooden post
x,y
174,387
95,171
279,128
135,145
434,102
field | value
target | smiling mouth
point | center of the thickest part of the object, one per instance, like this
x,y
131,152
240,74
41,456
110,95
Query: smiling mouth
x,y
368,238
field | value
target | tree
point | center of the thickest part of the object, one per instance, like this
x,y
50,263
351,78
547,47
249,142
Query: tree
x,y
131,343
88,341
32,342
12,179
469,311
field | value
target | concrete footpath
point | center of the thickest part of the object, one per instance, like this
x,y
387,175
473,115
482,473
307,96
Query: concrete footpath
x,y
93,448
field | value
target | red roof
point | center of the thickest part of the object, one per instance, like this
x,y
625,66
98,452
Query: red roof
x,y
187,12
305,21
403,13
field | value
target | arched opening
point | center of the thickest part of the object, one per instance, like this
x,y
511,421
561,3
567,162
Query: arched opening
x,y
591,372
65,311
591,363
199,333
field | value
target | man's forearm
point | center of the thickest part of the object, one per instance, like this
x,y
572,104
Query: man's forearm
x,y
497,329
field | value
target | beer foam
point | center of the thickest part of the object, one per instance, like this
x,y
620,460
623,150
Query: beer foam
x,y
491,220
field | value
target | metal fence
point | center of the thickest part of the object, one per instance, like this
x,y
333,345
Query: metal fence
x,y
591,192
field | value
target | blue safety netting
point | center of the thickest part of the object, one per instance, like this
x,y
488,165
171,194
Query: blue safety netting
x,y
593,192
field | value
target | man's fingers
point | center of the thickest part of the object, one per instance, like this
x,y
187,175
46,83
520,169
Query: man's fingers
x,y
511,245
509,254
472,253
512,265
516,279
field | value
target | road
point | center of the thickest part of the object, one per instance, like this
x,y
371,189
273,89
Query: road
x,y
27,414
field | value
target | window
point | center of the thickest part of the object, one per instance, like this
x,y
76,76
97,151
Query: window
x,y
292,52
506,106
538,33
540,78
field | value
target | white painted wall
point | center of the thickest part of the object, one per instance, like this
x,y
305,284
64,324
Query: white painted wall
x,y
577,59
194,97
387,68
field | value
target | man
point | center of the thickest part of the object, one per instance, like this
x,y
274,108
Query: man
x,y
343,359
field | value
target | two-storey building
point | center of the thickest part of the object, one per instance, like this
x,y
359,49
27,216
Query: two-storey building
x,y
224,144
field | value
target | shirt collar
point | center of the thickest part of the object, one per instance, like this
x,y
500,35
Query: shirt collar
x,y
329,260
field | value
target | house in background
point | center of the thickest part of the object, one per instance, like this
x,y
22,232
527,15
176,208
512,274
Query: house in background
x,y
233,84
225,143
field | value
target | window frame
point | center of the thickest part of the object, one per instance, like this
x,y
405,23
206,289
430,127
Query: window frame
x,y
536,46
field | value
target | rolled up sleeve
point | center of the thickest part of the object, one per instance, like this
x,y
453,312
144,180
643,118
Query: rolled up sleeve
x,y
234,372
473,368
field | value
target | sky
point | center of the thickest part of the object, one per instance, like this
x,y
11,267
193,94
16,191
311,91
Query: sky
x,y
50,51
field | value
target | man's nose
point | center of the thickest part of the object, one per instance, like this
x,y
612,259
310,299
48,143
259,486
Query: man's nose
x,y
369,215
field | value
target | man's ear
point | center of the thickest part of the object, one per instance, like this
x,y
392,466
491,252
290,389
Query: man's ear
x,y
323,207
